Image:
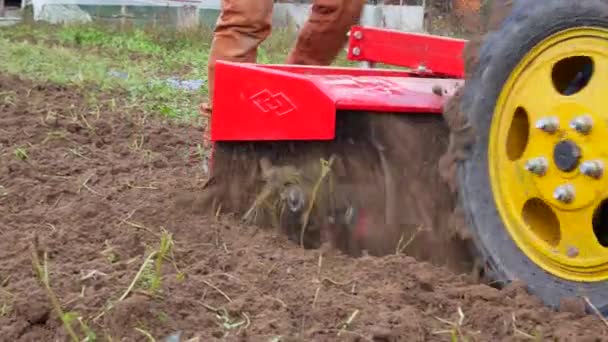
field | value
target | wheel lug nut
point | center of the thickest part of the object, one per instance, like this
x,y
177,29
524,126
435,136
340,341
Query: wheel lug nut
x,y
592,168
537,166
582,124
564,193
549,125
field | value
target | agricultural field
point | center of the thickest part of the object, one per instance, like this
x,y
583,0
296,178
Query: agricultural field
x,y
102,236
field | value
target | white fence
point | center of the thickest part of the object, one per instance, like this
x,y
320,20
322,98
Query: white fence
x,y
405,18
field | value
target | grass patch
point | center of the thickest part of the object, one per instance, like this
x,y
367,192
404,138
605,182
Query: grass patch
x,y
144,83
140,61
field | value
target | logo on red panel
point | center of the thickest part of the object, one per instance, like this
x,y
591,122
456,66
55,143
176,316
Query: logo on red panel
x,y
278,103
364,84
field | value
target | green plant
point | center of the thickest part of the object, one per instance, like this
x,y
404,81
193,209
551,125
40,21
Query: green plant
x,y
21,153
67,318
135,61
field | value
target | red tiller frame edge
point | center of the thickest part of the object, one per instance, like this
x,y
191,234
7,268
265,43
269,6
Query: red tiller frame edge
x,y
435,54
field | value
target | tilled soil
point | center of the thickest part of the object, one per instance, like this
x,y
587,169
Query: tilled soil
x,y
384,166
93,185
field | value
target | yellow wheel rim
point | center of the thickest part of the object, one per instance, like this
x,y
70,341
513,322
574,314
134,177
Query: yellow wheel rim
x,y
548,151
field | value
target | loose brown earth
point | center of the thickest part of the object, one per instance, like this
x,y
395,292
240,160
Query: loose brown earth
x,y
397,185
98,185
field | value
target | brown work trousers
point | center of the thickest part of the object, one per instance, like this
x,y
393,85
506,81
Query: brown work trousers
x,y
244,24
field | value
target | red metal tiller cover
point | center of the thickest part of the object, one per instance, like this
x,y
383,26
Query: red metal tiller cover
x,y
281,102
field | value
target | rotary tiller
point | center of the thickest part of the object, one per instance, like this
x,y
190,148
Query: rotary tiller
x,y
520,150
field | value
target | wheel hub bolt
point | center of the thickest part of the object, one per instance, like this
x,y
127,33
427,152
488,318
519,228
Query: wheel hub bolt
x,y
572,252
582,124
564,193
537,166
549,125
592,168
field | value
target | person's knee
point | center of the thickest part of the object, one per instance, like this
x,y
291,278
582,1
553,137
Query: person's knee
x,y
246,16
328,8
337,12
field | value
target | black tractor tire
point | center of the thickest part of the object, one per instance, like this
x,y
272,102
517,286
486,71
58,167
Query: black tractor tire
x,y
500,51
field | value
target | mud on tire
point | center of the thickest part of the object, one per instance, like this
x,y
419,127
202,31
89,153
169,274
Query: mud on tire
x,y
490,62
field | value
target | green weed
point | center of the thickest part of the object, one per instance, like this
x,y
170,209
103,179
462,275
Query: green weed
x,y
136,41
21,153
147,334
456,331
6,298
151,274
67,318
5,309
162,317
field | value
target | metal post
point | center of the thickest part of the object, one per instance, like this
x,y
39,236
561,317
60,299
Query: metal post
x,y
2,11
123,16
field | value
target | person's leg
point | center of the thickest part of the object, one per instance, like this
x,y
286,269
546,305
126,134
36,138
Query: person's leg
x,y
324,34
468,14
241,27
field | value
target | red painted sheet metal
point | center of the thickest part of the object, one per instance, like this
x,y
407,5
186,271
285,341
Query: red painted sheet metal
x,y
251,103
256,103
438,55
387,94
323,70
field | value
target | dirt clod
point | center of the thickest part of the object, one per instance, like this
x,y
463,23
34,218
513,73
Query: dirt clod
x,y
576,306
126,312
35,308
